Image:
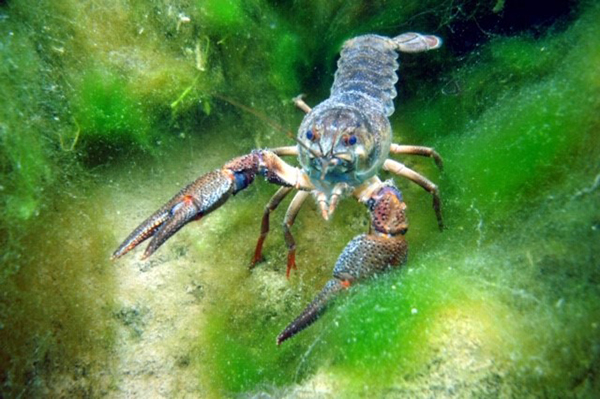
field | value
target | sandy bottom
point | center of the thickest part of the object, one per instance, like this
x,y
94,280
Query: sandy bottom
x,y
159,321
159,304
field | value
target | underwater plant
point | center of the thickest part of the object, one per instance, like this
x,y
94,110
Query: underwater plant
x,y
110,105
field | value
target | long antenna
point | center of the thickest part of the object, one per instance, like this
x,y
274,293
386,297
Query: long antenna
x,y
254,112
266,120
307,148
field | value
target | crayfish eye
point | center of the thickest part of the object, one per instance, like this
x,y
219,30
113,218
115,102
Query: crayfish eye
x,y
312,135
350,140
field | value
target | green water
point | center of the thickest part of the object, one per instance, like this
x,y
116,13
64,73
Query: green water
x,y
109,108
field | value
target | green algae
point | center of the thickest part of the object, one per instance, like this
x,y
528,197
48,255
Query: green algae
x,y
518,142
228,16
65,103
507,288
504,154
26,162
50,330
106,112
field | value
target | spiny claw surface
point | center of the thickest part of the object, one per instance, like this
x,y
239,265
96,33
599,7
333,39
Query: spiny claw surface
x,y
209,192
142,233
365,255
183,212
191,203
313,310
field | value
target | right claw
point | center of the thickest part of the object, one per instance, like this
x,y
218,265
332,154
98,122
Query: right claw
x,y
208,193
196,200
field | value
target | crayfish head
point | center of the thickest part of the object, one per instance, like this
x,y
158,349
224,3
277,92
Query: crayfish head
x,y
338,144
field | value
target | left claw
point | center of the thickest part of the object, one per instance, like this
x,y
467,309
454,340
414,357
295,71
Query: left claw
x,y
314,310
196,200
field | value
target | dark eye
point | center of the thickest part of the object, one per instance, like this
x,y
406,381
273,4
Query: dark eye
x,y
350,140
312,135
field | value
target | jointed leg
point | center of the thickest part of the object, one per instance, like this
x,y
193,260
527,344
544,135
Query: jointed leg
x,y
402,170
291,150
299,102
290,217
264,228
366,255
418,150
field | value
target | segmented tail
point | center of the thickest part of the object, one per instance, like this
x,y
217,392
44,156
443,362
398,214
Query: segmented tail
x,y
412,42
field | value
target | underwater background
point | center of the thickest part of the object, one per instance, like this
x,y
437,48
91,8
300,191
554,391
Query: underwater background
x,y
109,108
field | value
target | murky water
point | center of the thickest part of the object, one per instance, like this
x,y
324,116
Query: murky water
x,y
109,109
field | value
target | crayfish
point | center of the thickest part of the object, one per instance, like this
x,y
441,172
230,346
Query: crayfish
x,y
342,144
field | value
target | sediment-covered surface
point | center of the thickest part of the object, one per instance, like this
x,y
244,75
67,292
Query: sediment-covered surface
x,y
109,109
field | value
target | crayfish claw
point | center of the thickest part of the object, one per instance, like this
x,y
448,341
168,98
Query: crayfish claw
x,y
141,233
196,200
365,255
182,213
314,310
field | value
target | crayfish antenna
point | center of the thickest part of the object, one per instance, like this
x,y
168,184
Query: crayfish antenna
x,y
314,310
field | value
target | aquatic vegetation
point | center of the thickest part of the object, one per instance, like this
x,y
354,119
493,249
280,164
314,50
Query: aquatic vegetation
x,y
107,113
505,181
52,294
26,163
503,303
